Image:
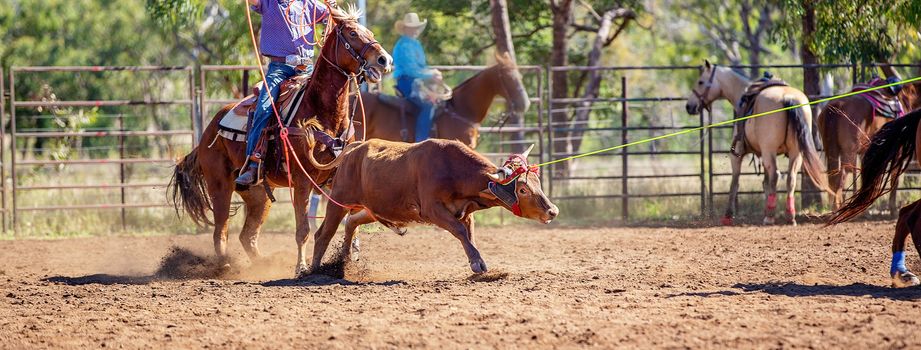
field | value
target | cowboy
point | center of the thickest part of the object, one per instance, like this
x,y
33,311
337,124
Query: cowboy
x,y
287,39
409,66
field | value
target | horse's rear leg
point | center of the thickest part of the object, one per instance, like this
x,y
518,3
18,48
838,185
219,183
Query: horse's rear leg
x,y
796,163
907,223
894,196
769,160
221,194
836,177
733,190
257,209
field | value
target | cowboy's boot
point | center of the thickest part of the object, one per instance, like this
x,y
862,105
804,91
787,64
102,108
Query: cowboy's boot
x,y
250,176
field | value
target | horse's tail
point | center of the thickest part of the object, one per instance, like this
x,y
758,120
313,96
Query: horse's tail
x,y
889,154
187,189
813,165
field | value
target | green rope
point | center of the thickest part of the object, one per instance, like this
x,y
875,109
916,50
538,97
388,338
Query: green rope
x,y
704,127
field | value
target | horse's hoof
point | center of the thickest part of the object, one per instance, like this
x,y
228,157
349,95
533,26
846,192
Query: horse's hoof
x,y
726,221
356,249
768,220
793,221
478,267
904,279
301,271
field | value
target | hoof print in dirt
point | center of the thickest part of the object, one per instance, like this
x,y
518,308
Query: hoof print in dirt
x,y
492,276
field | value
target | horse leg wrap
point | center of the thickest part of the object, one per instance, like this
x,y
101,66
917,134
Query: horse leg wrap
x,y
898,263
771,202
791,206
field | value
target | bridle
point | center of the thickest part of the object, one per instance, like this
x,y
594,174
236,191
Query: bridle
x,y
358,56
701,97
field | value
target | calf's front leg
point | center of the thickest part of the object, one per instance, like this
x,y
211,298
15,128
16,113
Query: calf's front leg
x,y
440,216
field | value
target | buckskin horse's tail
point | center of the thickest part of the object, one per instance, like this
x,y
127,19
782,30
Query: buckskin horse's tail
x,y
187,189
813,165
889,155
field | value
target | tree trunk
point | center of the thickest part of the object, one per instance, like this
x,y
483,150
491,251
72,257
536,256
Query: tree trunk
x,y
811,87
503,32
594,78
559,56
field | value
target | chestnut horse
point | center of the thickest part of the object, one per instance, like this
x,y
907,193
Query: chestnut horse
x,y
786,132
889,154
204,180
461,115
847,125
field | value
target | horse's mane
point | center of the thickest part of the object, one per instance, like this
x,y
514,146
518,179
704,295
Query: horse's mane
x,y
350,13
502,62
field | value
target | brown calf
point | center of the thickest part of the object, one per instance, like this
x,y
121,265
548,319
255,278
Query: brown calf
x,y
436,182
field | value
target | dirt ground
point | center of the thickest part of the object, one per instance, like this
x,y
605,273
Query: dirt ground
x,y
741,287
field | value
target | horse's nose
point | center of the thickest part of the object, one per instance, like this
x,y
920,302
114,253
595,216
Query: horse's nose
x,y
385,60
691,108
553,212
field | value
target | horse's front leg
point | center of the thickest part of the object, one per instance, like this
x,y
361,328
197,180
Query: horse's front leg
x,y
302,229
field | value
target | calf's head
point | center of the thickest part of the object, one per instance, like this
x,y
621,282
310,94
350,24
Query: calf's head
x,y
517,186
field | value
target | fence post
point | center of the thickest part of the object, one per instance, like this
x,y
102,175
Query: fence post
x,y
710,161
121,168
194,107
540,114
625,197
13,147
550,144
3,163
703,177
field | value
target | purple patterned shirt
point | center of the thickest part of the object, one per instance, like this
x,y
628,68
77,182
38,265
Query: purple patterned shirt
x,y
287,26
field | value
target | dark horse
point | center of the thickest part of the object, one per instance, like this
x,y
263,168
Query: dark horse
x,y
888,156
461,115
847,125
204,180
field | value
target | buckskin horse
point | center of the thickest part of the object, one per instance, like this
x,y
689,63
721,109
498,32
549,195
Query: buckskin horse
x,y
787,132
888,156
848,124
204,180
392,118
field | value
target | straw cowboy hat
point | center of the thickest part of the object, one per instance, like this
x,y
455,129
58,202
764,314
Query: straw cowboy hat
x,y
410,20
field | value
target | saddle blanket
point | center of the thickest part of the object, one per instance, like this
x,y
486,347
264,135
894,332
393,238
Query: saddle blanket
x,y
884,103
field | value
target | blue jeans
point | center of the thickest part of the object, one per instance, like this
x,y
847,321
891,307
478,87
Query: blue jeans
x,y
426,109
276,74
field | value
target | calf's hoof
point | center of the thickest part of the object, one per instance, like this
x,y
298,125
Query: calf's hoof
x,y
478,266
904,279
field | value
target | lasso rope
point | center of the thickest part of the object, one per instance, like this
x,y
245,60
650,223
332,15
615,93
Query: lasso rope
x,y
728,122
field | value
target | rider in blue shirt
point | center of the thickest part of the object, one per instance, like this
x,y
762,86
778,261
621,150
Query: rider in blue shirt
x,y
410,65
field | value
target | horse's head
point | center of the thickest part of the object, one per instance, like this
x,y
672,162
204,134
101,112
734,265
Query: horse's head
x,y
352,48
705,91
911,96
512,87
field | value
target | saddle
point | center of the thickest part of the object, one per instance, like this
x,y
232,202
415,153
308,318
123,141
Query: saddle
x,y
408,111
234,125
885,102
747,105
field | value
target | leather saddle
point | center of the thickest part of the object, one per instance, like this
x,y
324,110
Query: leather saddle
x,y
885,102
233,125
745,108
408,114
